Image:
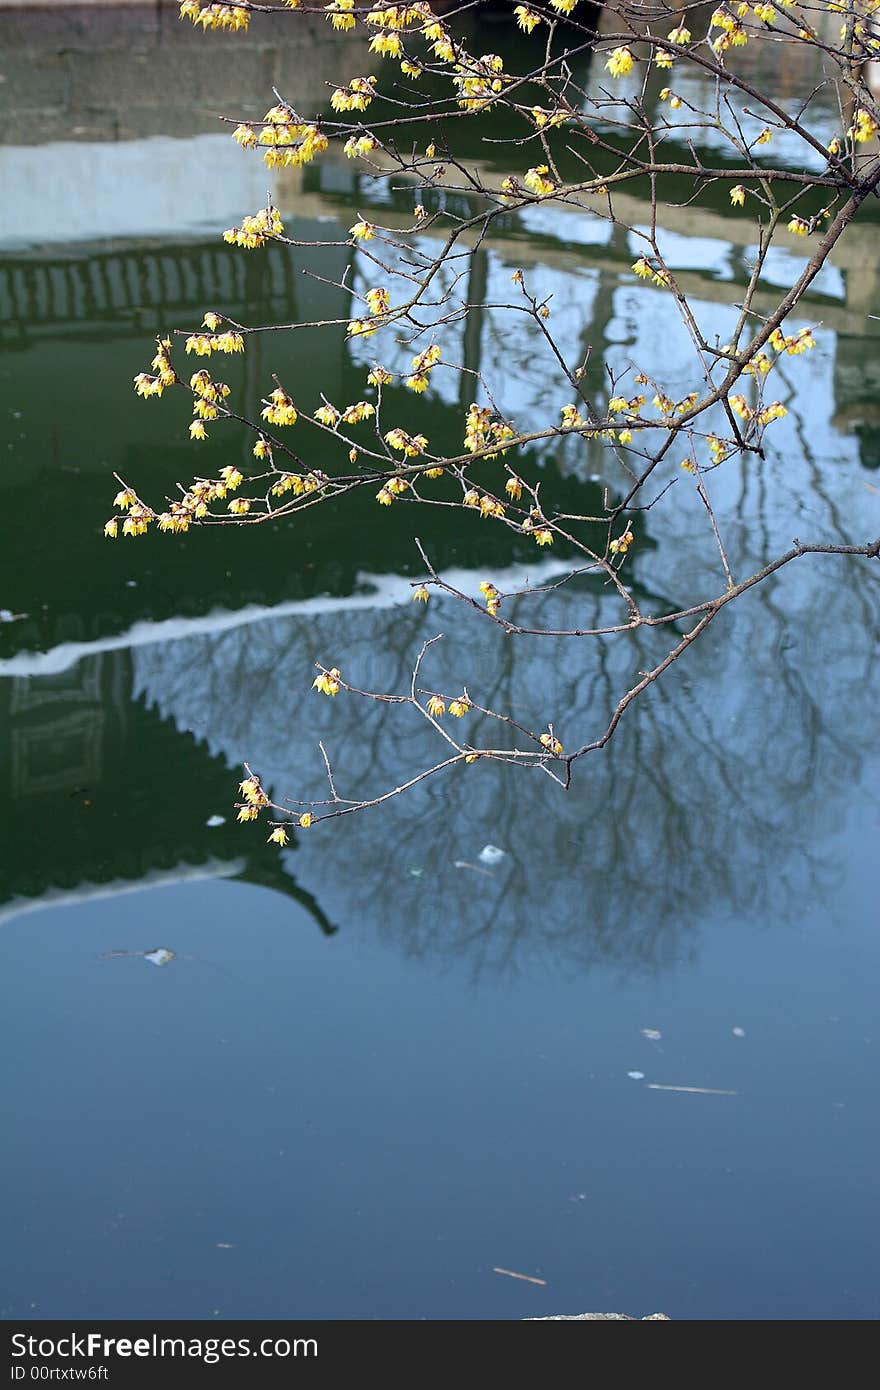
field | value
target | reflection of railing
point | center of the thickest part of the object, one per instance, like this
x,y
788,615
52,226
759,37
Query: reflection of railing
x,y
50,292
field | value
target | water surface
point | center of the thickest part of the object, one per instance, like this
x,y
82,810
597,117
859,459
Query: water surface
x,y
376,1067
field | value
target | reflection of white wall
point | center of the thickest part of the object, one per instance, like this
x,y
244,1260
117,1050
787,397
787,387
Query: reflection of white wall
x,y
77,192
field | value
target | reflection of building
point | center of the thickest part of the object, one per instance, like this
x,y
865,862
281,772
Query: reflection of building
x,y
100,794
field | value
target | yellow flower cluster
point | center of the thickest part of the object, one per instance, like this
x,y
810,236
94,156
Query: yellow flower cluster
x,y
481,432
492,597
378,376
393,488
536,182
733,34
398,16
209,395
458,707
775,411
740,405
864,126
327,682
526,18
795,345
356,96
338,13
253,794
297,484
479,80
359,146
646,270
388,42
361,410
621,544
422,364
514,488
410,445
279,409
255,229
799,226
203,344
136,521
620,62
233,17
147,385
328,415
287,141
362,231
679,35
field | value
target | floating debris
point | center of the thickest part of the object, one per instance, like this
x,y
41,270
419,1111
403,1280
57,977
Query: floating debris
x,y
463,864
652,1034
491,854
213,821
160,955
512,1274
738,1032
636,1075
692,1090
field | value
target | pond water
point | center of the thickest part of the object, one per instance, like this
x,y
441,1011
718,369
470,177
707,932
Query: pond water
x,y
382,1065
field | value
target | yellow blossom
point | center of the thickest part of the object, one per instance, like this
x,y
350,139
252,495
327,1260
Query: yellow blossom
x,y
552,744
111,528
279,836
536,183
305,820
197,430
436,706
327,682
620,62
363,231
420,595
738,195
526,18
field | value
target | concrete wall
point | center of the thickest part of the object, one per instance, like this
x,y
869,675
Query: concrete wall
x,y
119,72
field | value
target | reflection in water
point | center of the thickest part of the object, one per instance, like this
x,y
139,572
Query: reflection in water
x,y
727,785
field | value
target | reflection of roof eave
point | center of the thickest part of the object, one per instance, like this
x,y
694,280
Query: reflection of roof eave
x,y
91,892
382,591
